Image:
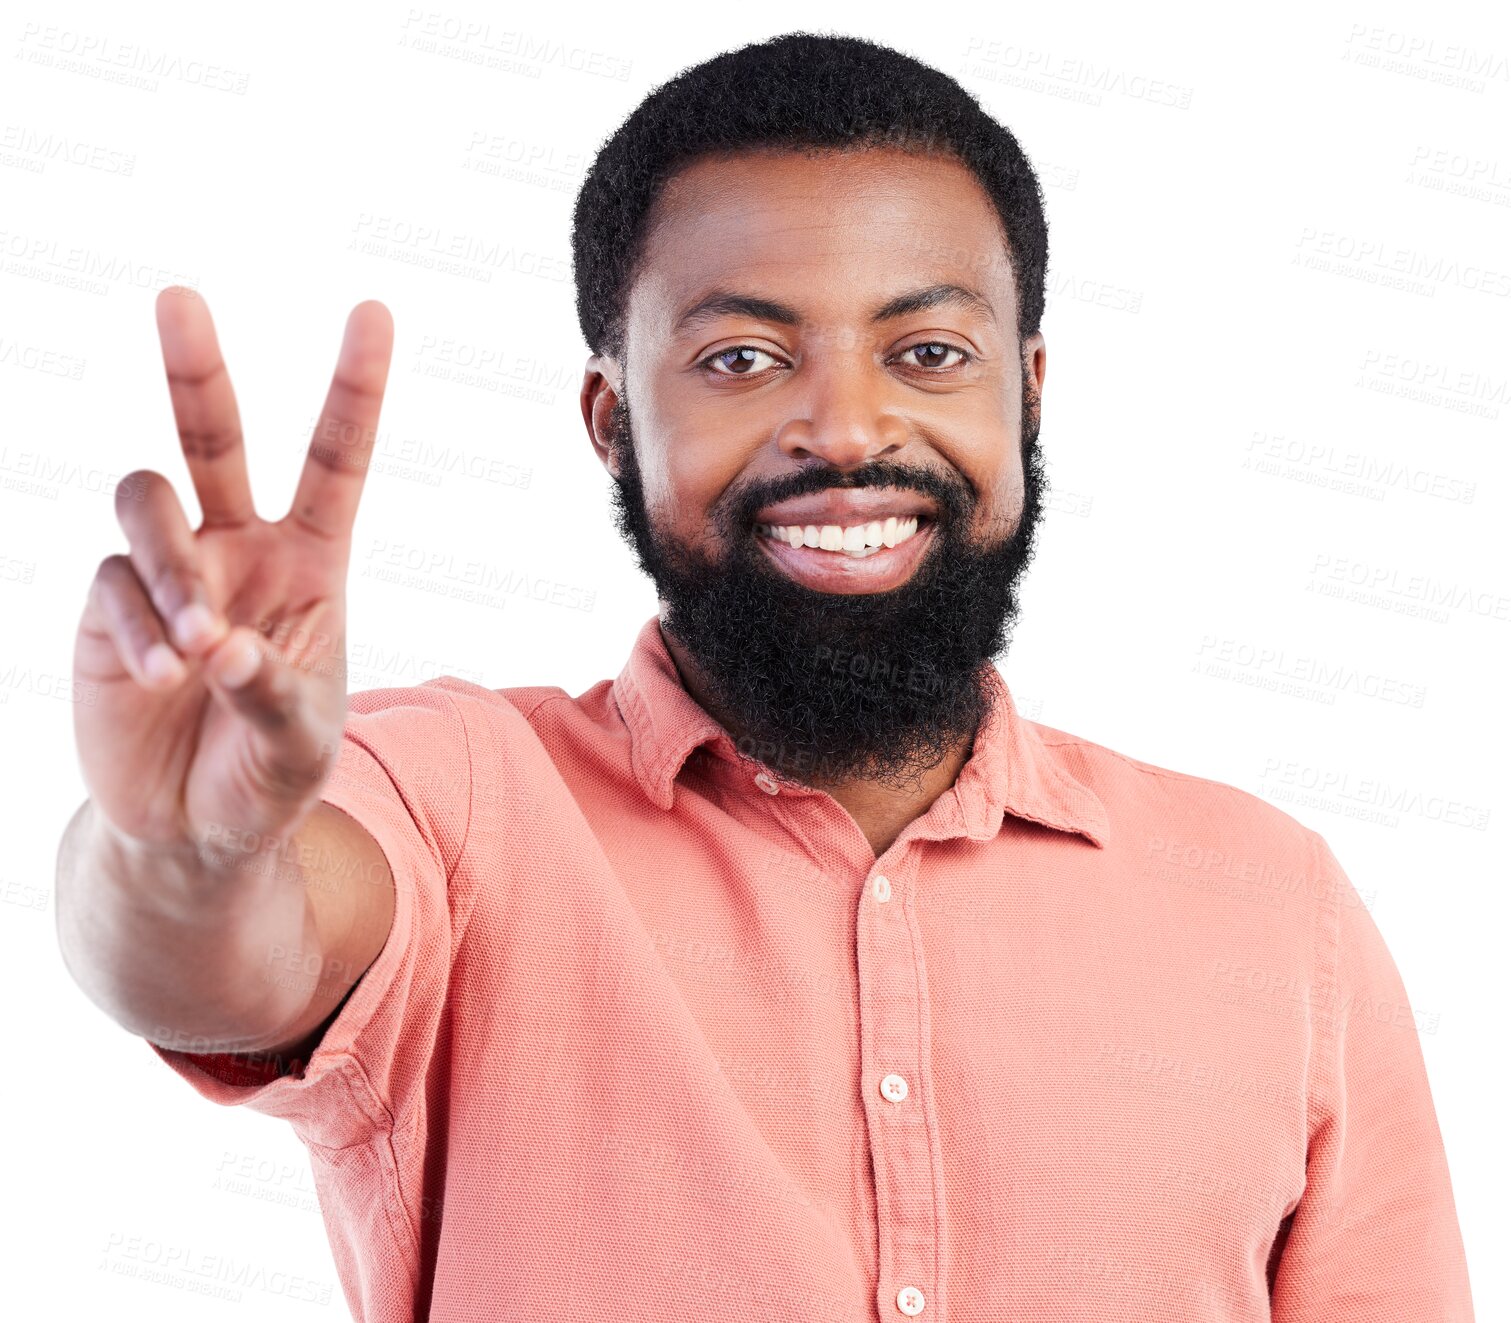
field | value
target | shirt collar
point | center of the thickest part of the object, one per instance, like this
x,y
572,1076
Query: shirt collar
x,y
1010,769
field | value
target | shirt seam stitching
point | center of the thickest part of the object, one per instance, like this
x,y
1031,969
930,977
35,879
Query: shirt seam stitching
x,y
380,1142
386,1125
471,791
388,1136
389,1158
1167,773
1325,963
549,698
452,869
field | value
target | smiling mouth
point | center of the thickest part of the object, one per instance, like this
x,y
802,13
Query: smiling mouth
x,y
856,541
836,568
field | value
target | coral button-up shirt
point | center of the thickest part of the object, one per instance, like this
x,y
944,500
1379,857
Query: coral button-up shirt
x,y
656,1037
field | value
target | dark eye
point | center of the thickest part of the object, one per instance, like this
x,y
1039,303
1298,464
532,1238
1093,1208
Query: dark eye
x,y
738,361
933,350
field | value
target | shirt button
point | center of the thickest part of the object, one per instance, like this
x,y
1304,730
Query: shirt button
x,y
910,1301
881,888
894,1089
766,783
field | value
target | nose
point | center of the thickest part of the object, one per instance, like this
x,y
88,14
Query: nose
x,y
842,418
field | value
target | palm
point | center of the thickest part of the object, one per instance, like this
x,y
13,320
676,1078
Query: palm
x,y
168,764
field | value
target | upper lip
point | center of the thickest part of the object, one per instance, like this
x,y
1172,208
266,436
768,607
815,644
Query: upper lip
x,y
847,507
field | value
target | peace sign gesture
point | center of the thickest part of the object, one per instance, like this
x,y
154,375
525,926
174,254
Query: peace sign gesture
x,y
220,652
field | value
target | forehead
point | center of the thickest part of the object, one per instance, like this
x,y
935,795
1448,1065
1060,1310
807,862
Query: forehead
x,y
827,233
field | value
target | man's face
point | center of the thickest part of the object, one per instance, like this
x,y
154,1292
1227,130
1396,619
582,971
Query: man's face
x,y
828,665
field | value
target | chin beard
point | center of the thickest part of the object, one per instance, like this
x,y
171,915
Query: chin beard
x,y
827,688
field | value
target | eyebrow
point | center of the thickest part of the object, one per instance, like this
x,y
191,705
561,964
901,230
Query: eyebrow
x,y
727,303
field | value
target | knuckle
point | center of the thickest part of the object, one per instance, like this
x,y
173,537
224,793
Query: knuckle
x,y
140,630
289,772
129,611
289,766
174,575
279,697
281,777
210,443
135,621
111,577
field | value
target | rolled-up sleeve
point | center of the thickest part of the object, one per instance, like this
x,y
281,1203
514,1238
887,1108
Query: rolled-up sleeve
x,y
404,773
1375,1237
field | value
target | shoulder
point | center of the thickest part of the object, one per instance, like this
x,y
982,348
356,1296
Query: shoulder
x,y
508,739
540,709
448,702
524,699
1224,854
1136,791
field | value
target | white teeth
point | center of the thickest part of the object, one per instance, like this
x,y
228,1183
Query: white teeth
x,y
853,539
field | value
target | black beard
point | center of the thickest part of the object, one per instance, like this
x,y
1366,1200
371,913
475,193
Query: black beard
x,y
823,687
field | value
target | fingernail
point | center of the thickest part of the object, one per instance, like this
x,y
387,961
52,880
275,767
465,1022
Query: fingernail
x,y
194,624
242,665
162,664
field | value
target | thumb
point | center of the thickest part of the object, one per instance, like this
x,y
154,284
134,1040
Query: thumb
x,y
292,742
248,676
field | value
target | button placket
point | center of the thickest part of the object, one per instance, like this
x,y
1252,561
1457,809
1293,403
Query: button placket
x,y
901,1118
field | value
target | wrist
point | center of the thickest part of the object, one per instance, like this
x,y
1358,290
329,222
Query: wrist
x,y
105,836
195,862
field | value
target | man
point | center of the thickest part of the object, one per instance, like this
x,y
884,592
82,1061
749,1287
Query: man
x,y
791,974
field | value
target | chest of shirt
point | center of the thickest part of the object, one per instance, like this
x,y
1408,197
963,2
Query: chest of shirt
x,y
724,1059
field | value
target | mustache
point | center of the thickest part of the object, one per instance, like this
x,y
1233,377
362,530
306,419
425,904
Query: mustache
x,y
954,499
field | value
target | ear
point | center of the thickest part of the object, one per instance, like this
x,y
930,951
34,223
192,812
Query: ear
x,y
600,393
1035,359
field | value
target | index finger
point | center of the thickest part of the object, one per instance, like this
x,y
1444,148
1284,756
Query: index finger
x,y
330,485
204,407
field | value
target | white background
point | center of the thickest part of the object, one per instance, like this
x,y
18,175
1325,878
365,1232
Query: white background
x,y
1279,483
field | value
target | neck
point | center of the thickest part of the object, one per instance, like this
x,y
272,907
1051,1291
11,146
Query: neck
x,y
880,811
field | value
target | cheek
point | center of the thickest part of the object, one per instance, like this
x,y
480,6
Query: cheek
x,y
999,484
995,474
683,483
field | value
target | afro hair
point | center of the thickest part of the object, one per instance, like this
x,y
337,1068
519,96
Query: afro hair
x,y
800,91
